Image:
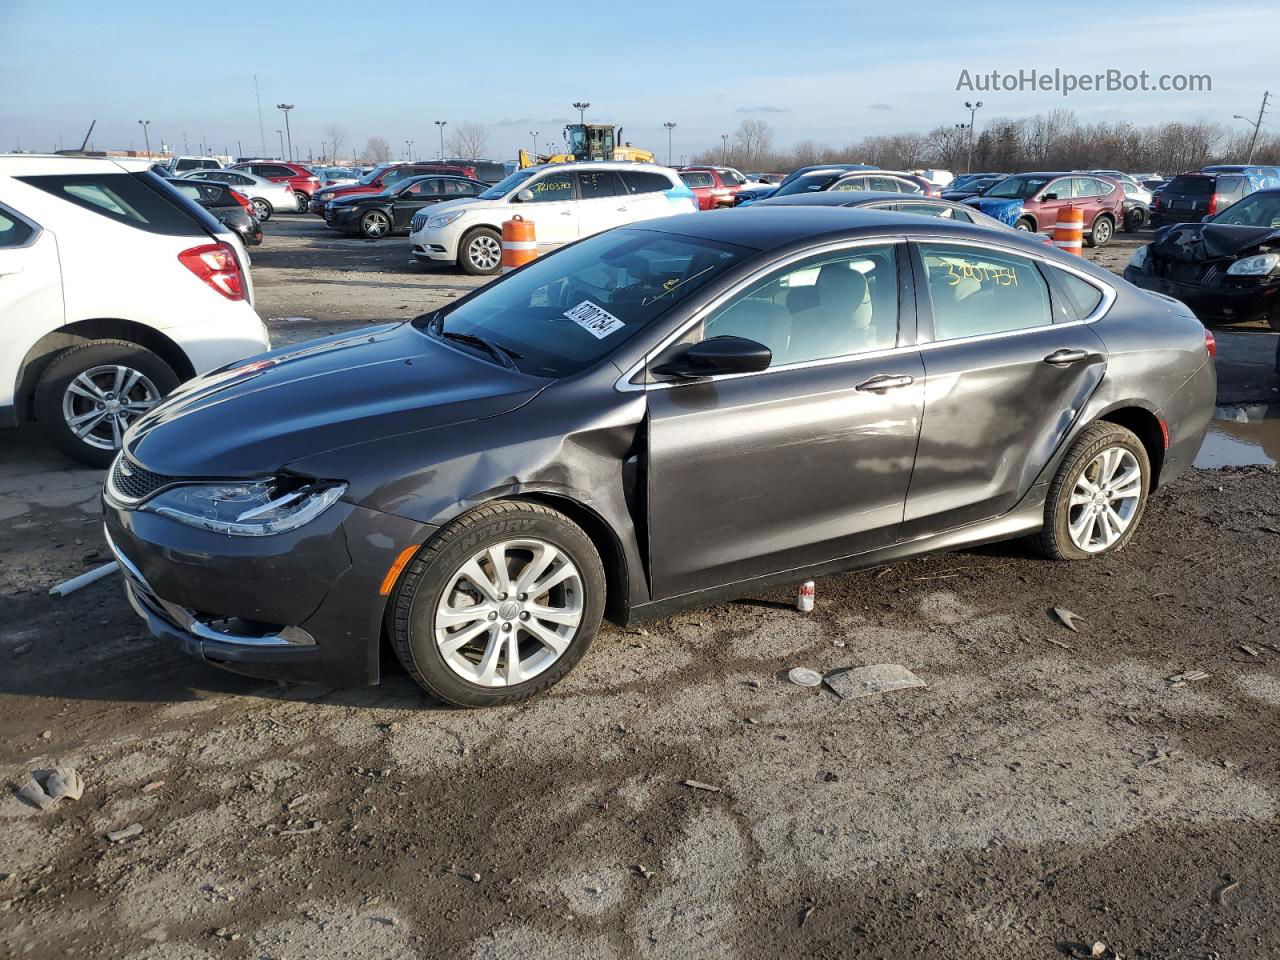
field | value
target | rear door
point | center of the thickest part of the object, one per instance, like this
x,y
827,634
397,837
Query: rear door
x,y
1003,382
30,292
806,461
602,202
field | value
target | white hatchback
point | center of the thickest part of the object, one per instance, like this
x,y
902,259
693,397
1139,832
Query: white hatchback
x,y
564,201
114,288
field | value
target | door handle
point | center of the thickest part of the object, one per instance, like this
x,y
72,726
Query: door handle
x,y
622,209
5,271
884,382
1060,358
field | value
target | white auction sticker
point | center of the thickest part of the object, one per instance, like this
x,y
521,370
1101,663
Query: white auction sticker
x,y
595,320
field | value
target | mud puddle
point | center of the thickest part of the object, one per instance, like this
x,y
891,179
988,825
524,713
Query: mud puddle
x,y
1242,436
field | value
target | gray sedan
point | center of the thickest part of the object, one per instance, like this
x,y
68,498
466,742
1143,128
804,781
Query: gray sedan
x,y
267,196
657,416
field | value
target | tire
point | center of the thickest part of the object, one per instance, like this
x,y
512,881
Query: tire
x,y
1056,539
302,201
91,364
1135,220
375,225
1026,224
1103,230
261,209
480,252
436,576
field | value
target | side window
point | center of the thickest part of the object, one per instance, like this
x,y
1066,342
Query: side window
x,y
828,306
731,179
423,188
962,215
887,184
642,181
977,292
190,190
459,188
852,183
394,175
925,209
13,232
274,170
1081,297
1060,188
552,187
1231,185
594,184
697,178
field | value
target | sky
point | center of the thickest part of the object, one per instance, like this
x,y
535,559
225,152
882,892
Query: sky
x,y
829,71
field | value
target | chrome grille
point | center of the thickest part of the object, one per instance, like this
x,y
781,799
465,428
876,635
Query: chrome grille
x,y
418,222
130,482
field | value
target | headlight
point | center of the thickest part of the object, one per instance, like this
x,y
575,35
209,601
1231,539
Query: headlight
x,y
1139,258
435,223
1258,266
255,508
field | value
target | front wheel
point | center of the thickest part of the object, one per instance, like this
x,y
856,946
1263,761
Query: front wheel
x,y
480,253
499,606
1101,233
375,225
1135,220
1025,224
1098,496
261,209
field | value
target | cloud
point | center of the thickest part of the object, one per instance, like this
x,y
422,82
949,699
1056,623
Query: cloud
x,y
881,106
763,109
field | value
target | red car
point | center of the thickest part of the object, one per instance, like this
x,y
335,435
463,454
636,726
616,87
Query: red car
x,y
1031,201
713,186
383,177
302,180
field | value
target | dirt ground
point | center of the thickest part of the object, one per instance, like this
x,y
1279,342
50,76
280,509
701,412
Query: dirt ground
x,y
1047,790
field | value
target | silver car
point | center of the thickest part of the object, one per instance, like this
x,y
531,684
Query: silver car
x,y
267,196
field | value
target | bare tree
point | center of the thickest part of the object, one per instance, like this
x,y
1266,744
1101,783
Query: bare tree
x,y
753,140
336,137
377,150
468,140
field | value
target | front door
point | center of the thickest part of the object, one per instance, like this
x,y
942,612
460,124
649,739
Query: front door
x,y
1056,195
553,208
1003,382
412,199
806,461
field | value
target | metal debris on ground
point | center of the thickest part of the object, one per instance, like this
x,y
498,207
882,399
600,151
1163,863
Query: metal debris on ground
x,y
805,914
128,833
1220,895
1059,643
153,786
75,583
699,785
311,827
1251,651
804,677
1068,619
1189,676
854,682
804,597
1156,756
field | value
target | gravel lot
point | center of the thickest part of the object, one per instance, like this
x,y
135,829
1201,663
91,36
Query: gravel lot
x,y
1047,790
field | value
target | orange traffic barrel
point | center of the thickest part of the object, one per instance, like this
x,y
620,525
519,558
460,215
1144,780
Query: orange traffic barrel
x,y
518,243
1068,233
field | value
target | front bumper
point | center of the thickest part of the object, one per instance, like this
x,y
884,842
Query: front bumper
x,y
303,606
1215,300
437,245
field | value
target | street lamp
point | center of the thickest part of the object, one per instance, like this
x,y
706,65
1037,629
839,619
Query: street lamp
x,y
724,149
285,108
581,106
409,150
146,135
973,109
534,135
670,125
280,134
440,126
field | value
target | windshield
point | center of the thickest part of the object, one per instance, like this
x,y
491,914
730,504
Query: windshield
x,y
809,183
566,311
373,174
1258,210
507,184
1018,188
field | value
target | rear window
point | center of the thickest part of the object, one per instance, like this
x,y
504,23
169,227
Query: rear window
x,y
643,181
13,232
1082,297
144,201
698,178
1195,186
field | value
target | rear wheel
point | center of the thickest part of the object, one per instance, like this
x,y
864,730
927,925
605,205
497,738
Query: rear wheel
x,y
1103,230
375,225
302,201
89,395
261,209
480,252
499,606
1098,496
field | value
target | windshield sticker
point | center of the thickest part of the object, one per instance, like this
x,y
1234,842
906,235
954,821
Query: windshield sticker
x,y
595,320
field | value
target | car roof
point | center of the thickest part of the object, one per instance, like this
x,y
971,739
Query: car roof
x,y
764,229
601,165
34,164
844,198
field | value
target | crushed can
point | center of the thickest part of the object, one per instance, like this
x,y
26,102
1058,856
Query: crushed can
x,y
804,597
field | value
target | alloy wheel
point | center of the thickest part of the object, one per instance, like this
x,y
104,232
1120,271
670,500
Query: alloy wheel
x,y
1102,231
486,252
375,225
509,612
100,404
1104,500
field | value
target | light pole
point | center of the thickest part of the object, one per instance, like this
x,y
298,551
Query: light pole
x,y
146,135
285,108
724,149
440,124
1256,124
581,106
534,135
670,125
408,154
280,134
973,109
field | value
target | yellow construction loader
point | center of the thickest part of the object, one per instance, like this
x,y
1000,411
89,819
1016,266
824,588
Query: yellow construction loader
x,y
589,141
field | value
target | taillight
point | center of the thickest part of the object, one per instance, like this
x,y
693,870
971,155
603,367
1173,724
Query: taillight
x,y
1155,201
1210,344
1213,203
217,265
241,199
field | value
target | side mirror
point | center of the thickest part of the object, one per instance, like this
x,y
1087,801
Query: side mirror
x,y
524,196
719,355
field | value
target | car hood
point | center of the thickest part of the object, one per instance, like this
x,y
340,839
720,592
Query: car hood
x,y
1211,241
332,193
1006,210
352,199
251,419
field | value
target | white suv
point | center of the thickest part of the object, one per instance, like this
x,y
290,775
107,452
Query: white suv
x,y
114,289
565,201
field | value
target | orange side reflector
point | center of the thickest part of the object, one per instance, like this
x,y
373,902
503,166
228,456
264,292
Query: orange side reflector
x,y
393,574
